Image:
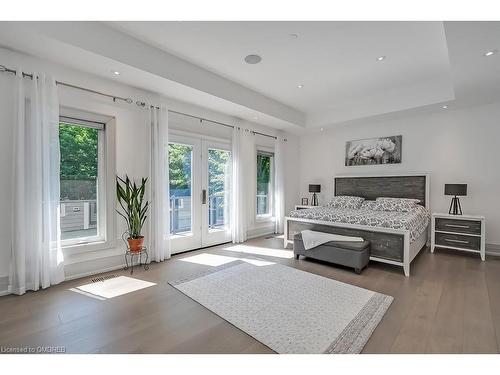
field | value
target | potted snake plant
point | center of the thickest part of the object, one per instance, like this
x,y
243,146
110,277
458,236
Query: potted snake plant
x,y
133,209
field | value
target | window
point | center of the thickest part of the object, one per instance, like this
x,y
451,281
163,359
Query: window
x,y
180,159
265,184
82,181
219,177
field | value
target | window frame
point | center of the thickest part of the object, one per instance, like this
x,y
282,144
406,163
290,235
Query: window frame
x,y
267,151
106,186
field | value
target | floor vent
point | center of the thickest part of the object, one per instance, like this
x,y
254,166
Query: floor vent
x,y
103,278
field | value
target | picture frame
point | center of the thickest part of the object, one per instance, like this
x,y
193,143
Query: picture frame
x,y
374,151
305,201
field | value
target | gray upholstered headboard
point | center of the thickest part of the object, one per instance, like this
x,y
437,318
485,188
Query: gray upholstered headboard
x,y
397,186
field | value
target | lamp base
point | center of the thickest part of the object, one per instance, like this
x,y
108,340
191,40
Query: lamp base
x,y
314,200
455,208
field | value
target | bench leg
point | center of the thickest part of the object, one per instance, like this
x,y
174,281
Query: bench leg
x,y
297,256
357,270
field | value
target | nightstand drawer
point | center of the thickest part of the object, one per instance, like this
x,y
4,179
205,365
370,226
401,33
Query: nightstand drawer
x,y
458,226
457,240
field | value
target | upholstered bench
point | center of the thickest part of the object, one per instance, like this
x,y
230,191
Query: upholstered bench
x,y
345,253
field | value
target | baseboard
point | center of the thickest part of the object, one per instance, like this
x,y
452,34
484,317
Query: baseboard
x,y
259,234
493,249
96,272
4,285
260,231
97,266
4,281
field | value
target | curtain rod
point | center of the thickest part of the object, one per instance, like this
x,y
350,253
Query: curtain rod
x,y
201,118
221,123
30,76
139,103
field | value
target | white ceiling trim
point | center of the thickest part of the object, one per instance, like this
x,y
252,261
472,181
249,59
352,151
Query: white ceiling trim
x,y
100,39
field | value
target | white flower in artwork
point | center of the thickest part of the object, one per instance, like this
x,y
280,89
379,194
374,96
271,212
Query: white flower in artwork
x,y
367,153
379,153
387,145
354,151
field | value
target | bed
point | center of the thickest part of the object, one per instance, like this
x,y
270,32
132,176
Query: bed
x,y
396,237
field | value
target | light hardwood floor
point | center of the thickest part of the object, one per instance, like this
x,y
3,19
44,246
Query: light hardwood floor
x,y
450,304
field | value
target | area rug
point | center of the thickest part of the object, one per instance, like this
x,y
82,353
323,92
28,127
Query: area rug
x,y
289,310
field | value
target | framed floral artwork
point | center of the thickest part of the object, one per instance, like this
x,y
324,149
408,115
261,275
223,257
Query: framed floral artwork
x,y
372,151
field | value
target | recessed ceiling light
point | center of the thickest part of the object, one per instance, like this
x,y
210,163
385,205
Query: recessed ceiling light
x,y
300,86
255,118
253,59
444,106
321,129
490,53
381,58
116,73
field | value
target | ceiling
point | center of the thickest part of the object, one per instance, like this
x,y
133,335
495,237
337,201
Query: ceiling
x,y
426,64
336,62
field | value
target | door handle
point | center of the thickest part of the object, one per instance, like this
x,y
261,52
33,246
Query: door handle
x,y
204,196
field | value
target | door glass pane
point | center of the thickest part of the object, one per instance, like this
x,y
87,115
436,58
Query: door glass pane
x,y
78,180
263,184
180,173
219,162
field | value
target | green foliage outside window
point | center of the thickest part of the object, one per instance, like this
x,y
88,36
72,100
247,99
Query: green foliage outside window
x,y
79,161
179,159
263,173
78,146
217,163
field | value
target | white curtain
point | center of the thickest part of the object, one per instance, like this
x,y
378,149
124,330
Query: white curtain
x,y
241,144
279,185
159,213
36,255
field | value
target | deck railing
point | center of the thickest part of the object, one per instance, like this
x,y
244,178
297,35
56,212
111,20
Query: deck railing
x,y
78,216
181,215
262,204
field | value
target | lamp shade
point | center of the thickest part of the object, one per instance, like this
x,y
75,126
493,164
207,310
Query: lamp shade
x,y
455,189
314,188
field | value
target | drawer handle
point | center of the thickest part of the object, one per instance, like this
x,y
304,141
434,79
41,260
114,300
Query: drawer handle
x,y
457,226
456,241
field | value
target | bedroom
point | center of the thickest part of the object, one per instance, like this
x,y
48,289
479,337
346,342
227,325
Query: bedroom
x,y
230,187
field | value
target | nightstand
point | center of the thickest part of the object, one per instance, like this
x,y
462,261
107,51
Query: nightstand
x,y
459,232
303,207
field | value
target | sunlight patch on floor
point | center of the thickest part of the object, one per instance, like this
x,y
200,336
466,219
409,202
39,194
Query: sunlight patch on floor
x,y
287,254
218,260
111,288
87,294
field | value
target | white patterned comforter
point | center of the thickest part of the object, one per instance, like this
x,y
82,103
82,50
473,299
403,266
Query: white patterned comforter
x,y
415,221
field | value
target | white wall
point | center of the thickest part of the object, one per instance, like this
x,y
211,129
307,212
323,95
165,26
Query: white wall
x,y
131,136
453,146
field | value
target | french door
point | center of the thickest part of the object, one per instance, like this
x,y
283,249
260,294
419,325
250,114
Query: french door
x,y
200,190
